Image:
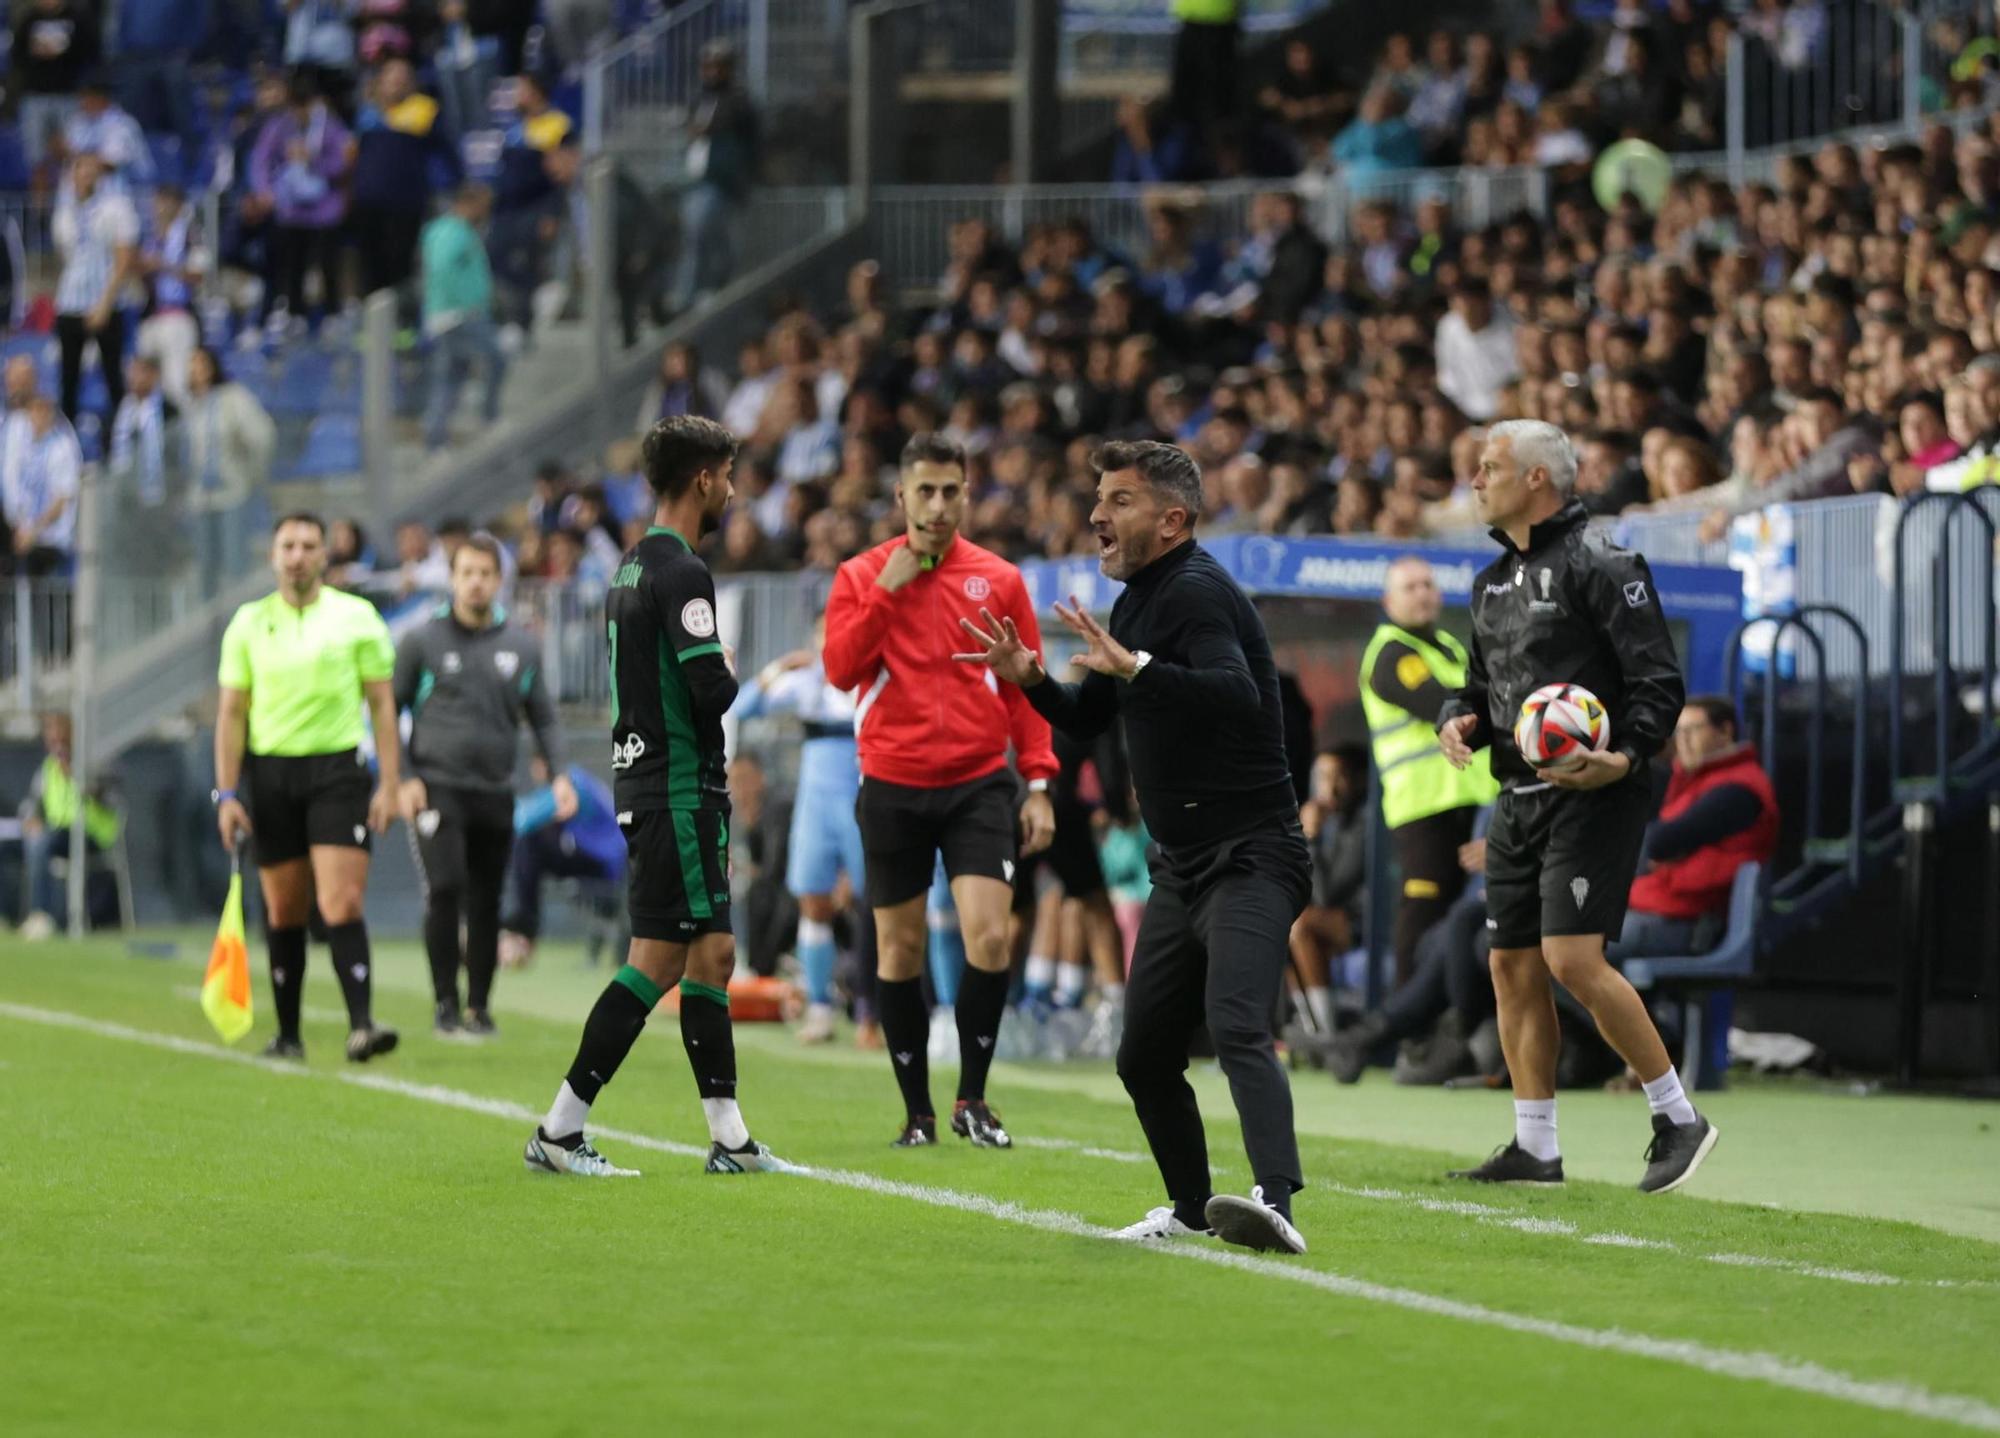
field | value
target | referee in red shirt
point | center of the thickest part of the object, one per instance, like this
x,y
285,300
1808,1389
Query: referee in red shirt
x,y
933,737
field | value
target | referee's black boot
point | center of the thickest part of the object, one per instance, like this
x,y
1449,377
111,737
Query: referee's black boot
x,y
1511,1163
369,1043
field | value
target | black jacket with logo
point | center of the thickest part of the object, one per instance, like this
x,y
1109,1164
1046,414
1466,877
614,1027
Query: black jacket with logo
x,y
1573,609
467,691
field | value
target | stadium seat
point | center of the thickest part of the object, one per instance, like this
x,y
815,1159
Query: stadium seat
x,y
332,447
1705,983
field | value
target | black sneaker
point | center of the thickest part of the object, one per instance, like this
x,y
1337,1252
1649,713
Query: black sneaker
x,y
478,1024
974,1120
1676,1152
445,1022
1511,1163
1347,1052
368,1043
917,1133
290,1050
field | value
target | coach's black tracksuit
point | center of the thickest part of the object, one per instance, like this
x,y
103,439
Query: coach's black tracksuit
x,y
1204,730
467,691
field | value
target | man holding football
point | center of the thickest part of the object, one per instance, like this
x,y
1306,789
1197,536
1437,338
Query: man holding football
x,y
1562,605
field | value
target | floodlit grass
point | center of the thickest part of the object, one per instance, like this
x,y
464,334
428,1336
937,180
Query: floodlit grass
x,y
195,1246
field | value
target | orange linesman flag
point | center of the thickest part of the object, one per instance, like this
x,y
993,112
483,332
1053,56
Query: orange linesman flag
x,y
225,989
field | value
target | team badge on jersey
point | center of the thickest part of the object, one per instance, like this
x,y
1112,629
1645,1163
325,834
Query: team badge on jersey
x,y
451,662
977,587
506,661
697,618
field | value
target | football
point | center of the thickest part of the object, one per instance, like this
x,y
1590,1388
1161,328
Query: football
x,y
1558,724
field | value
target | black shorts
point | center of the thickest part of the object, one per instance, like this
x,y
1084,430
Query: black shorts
x,y
677,872
463,840
1561,861
1071,856
300,802
904,829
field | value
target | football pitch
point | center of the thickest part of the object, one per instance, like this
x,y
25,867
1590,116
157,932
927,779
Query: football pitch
x,y
199,1243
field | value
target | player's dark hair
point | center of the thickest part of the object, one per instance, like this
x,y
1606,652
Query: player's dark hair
x,y
1168,470
300,516
1717,709
481,543
678,449
931,447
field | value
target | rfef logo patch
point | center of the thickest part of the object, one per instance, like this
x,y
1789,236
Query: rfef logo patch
x,y
698,619
977,587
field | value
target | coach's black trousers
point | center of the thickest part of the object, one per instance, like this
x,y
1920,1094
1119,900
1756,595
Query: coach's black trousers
x,y
462,844
1213,948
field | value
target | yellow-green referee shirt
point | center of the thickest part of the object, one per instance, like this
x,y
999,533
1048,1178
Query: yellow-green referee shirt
x,y
304,669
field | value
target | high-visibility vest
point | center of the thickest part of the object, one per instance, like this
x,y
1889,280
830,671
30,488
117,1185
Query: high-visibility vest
x,y
1417,780
100,823
1206,12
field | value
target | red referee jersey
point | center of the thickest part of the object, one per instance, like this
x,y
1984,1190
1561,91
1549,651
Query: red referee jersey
x,y
922,719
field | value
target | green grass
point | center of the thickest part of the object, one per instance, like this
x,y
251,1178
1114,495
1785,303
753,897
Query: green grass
x,y
204,1247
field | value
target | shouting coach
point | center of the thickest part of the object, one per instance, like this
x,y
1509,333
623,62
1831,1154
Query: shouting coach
x,y
1187,664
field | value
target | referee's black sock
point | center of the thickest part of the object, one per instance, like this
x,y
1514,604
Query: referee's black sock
x,y
906,1030
614,1025
288,976
982,1000
349,943
441,944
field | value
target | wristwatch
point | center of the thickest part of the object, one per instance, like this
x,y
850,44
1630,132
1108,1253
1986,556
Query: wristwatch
x,y
1140,659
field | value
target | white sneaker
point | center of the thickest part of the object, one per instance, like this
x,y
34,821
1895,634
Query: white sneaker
x,y
817,1026
1252,1223
943,1045
545,1155
1160,1225
1107,1027
37,927
753,1157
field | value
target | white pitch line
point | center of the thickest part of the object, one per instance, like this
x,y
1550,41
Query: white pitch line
x,y
1497,1217
1769,1368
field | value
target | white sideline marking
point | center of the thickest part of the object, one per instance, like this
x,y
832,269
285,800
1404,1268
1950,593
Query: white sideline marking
x,y
1496,1217
1770,1368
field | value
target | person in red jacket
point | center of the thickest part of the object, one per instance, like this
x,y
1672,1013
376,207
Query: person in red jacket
x,y
933,737
1720,814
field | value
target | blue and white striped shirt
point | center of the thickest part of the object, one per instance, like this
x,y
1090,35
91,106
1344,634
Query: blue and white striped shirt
x,y
38,473
89,234
139,448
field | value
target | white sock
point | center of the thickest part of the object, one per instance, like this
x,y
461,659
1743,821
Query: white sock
x,y
1112,994
1039,977
1319,1003
567,1114
1070,982
1665,1096
1535,1127
725,1122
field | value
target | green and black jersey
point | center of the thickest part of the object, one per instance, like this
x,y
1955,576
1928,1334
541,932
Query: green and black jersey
x,y
670,685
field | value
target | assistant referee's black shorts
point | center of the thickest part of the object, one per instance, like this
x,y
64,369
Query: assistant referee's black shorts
x,y
1562,861
298,802
904,829
676,873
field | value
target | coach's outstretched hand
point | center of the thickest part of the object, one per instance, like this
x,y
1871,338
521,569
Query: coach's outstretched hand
x,y
1102,654
1001,650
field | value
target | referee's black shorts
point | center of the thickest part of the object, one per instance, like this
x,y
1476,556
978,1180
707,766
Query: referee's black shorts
x,y
676,873
299,802
904,829
1561,861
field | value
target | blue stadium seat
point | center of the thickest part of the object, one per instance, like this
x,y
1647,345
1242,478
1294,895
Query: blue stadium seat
x,y
14,172
1705,983
333,447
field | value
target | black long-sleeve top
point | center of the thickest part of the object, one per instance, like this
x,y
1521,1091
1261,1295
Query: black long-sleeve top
x,y
1204,725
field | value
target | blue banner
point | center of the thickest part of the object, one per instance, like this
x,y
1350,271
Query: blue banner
x,y
1708,600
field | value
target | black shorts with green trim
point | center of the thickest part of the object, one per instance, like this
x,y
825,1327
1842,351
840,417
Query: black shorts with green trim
x,y
677,872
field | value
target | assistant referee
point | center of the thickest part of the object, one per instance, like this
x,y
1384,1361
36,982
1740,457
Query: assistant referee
x,y
1187,665
295,666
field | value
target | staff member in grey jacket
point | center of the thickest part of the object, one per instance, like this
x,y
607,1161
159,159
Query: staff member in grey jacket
x,y
467,679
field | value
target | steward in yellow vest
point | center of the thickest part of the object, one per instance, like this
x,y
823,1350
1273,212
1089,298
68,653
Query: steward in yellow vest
x,y
1410,669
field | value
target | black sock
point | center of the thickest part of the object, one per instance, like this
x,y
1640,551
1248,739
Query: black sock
x,y
1278,1194
349,943
441,944
709,1039
288,976
906,1029
982,999
614,1025
1194,1215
